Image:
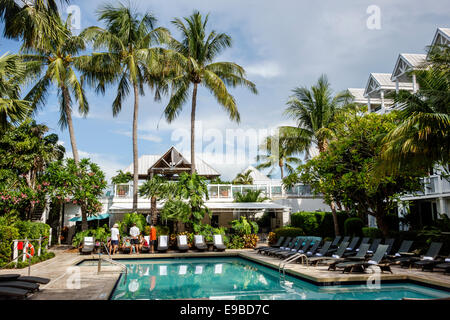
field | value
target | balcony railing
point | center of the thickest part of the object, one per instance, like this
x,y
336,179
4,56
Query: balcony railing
x,y
433,185
226,191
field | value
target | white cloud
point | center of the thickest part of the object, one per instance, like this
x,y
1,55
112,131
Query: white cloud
x,y
265,70
141,135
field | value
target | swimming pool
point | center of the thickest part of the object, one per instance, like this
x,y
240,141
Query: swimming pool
x,y
233,278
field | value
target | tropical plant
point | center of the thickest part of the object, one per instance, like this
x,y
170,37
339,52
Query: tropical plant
x,y
129,60
129,219
279,152
421,139
33,21
155,189
122,177
250,196
315,110
243,178
242,226
13,72
195,66
55,62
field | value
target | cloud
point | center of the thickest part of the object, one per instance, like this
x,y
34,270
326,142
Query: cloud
x,y
141,135
265,70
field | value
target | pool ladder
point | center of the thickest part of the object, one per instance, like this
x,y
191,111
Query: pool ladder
x,y
110,260
285,262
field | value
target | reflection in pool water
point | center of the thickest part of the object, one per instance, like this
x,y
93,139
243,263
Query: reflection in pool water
x,y
236,278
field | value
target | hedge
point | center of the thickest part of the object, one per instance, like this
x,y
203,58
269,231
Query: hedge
x,y
288,232
320,224
353,227
372,232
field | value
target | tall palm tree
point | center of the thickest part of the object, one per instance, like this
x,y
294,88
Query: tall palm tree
x,y
195,61
154,188
13,71
32,21
315,110
422,139
130,60
281,155
55,63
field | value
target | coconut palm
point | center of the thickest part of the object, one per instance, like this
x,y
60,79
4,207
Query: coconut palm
x,y
422,138
12,74
154,188
279,152
129,60
195,62
243,178
33,21
315,110
56,64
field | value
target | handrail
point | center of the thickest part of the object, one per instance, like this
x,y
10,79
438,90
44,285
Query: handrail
x,y
282,265
15,261
110,260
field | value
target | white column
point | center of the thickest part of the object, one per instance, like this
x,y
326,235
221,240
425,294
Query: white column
x,y
397,90
15,251
40,245
414,82
402,211
383,109
25,250
49,239
443,207
369,106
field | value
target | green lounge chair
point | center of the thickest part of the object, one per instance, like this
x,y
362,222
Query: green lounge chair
x,y
336,241
405,246
322,252
374,246
444,266
301,247
291,246
284,244
311,251
428,261
276,245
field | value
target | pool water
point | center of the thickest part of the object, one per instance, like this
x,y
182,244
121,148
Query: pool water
x,y
241,279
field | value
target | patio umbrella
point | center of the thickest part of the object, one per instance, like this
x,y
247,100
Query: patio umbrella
x,y
98,217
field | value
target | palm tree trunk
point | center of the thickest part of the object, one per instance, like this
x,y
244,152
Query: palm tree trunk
x,y
335,219
154,212
135,148
68,113
194,105
280,164
61,213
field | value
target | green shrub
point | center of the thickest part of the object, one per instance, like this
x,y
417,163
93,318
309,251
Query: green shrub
x,y
236,242
7,235
244,227
288,232
100,234
353,227
308,221
129,219
372,232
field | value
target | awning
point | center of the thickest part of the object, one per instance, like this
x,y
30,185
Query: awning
x,y
99,217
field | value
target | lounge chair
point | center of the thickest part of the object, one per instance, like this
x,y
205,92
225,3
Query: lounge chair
x,y
88,245
322,252
353,244
445,266
284,244
31,279
199,242
334,248
290,247
429,261
374,261
360,256
146,248
182,243
405,246
390,242
163,244
336,241
339,252
349,253
374,246
301,247
13,293
430,255
218,242
9,277
309,252
276,245
21,285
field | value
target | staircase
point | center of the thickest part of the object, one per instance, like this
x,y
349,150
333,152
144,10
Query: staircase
x,y
36,216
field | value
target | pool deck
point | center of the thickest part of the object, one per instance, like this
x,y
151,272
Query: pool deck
x,y
70,282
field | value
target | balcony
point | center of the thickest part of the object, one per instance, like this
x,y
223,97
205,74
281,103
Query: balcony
x,y
434,186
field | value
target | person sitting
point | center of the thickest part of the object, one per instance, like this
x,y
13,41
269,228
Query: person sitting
x,y
126,246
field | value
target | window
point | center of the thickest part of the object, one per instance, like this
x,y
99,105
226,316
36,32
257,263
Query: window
x,y
215,221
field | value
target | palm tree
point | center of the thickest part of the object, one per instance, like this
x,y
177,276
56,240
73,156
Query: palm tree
x,y
281,155
56,63
129,60
422,138
315,110
243,178
33,21
12,74
195,55
154,188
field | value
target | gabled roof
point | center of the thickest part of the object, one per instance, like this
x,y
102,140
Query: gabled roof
x,y
407,62
442,36
147,162
256,174
382,81
358,96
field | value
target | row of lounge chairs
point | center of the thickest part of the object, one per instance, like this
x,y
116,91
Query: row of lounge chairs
x,y
163,244
345,254
15,286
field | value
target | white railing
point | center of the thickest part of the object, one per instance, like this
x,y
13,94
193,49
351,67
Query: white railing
x,y
433,185
229,191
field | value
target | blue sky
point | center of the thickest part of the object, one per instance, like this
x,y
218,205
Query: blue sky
x,y
281,44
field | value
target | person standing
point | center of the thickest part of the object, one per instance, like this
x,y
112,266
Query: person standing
x,y
153,237
115,237
134,233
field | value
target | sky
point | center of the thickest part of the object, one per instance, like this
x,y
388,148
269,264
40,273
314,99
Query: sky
x,y
281,44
